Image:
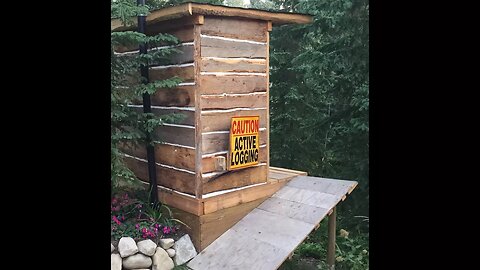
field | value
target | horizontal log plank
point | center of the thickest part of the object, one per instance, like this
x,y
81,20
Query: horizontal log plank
x,y
222,120
211,84
187,117
227,101
214,47
186,73
183,33
233,65
179,96
217,142
179,157
177,180
185,54
176,135
247,29
237,178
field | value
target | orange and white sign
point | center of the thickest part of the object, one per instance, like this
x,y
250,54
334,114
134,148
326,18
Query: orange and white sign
x,y
244,142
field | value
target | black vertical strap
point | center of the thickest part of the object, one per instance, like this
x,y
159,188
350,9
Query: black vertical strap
x,y
152,172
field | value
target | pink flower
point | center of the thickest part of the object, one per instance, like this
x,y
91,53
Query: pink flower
x,y
116,220
166,230
137,226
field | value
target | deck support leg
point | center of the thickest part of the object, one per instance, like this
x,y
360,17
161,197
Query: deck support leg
x,y
332,220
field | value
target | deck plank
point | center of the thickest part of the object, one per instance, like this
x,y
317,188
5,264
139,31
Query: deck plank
x,y
299,211
267,235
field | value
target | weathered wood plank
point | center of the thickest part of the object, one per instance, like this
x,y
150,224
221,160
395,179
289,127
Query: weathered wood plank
x,y
180,201
179,157
215,224
178,180
193,223
217,142
234,179
176,135
234,251
275,17
214,164
198,120
275,229
235,28
303,212
186,10
233,65
288,171
269,26
187,116
251,100
174,27
249,194
335,187
215,47
212,84
185,54
314,198
221,119
179,96
186,73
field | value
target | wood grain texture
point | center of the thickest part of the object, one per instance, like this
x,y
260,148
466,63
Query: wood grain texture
x,y
275,229
183,33
185,55
303,212
185,73
179,96
198,119
179,157
211,84
215,224
288,171
214,47
237,28
330,186
176,135
187,117
282,221
238,251
304,196
269,28
219,121
234,179
188,9
252,100
233,65
178,180
249,194
218,142
193,223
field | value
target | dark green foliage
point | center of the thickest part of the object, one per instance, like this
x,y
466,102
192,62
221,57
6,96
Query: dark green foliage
x,y
127,124
319,93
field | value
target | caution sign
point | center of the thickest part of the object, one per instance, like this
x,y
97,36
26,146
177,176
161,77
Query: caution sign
x,y
244,142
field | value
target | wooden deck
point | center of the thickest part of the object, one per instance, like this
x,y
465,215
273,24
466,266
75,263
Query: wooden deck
x,y
269,234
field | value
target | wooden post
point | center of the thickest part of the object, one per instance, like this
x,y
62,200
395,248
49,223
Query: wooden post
x,y
332,220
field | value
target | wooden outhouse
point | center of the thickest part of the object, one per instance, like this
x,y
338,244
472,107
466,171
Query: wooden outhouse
x,y
224,67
